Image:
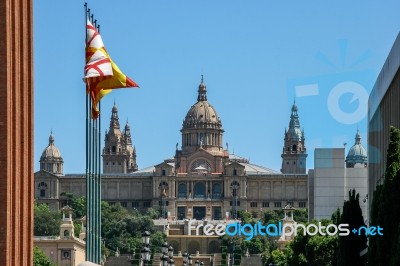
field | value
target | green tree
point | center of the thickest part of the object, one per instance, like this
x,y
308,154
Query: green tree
x,y
122,228
273,217
245,217
152,213
47,222
78,204
336,217
385,209
279,258
350,246
40,258
310,250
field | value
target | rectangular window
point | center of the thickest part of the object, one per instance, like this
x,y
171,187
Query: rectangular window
x,y
42,193
111,203
232,203
147,204
160,203
302,204
265,204
124,204
278,204
253,204
135,204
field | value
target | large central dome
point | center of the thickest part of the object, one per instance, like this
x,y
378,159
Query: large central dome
x,y
202,114
202,126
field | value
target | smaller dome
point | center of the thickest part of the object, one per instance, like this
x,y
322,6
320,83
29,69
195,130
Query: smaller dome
x,y
51,151
357,153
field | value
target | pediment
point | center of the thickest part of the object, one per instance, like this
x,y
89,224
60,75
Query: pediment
x,y
163,165
200,153
44,174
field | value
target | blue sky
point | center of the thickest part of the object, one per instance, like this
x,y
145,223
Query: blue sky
x,y
256,56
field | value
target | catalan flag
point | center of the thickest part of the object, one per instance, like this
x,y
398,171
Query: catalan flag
x,y
101,73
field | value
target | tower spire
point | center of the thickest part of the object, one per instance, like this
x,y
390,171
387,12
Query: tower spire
x,y
294,150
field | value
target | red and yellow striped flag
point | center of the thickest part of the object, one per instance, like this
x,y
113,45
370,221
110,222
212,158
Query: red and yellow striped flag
x,y
101,73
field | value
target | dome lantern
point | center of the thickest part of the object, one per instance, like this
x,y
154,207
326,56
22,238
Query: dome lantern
x,y
202,126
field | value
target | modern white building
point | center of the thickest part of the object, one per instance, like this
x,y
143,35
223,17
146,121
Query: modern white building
x,y
334,175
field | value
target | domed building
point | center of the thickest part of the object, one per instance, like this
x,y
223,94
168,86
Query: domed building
x,y
201,180
47,179
357,155
51,160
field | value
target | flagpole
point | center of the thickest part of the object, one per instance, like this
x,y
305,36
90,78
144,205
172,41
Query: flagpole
x,y
97,85
87,250
93,178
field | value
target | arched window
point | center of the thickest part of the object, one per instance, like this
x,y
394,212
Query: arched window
x,y
182,191
113,149
294,148
200,165
66,255
66,233
42,189
235,186
199,190
216,191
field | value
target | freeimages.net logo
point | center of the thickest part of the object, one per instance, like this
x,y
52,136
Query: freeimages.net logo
x,y
280,229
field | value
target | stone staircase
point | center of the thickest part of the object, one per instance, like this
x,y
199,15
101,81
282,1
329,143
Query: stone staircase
x,y
176,229
253,260
217,259
156,259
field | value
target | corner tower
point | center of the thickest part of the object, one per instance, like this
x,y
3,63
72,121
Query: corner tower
x,y
294,152
119,156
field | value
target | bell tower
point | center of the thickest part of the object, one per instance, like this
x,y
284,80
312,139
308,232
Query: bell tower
x,y
294,151
119,156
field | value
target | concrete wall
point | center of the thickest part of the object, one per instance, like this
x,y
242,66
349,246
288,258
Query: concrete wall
x,y
329,184
332,182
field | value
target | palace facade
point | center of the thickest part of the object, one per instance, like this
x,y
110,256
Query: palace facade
x,y
201,180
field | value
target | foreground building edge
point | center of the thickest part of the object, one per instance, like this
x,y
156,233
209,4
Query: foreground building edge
x,y
16,131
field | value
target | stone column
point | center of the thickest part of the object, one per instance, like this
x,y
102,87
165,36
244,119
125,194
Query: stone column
x,y
173,188
16,131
